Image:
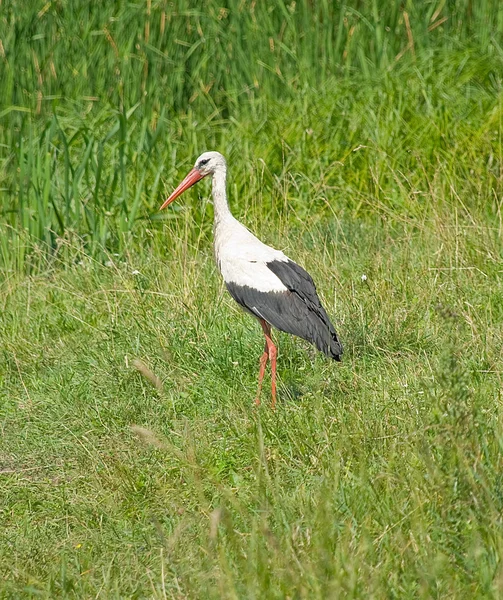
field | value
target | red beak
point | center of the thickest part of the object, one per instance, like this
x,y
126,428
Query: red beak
x,y
193,177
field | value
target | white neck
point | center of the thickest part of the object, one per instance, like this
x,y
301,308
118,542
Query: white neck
x,y
219,194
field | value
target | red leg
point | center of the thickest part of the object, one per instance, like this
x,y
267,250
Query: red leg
x,y
263,363
272,353
272,356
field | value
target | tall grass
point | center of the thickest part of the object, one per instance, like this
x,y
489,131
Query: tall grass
x,y
180,55
103,105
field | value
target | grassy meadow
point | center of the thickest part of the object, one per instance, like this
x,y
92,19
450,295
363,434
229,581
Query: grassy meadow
x,y
363,138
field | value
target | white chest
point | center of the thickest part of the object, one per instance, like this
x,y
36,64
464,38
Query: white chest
x,y
242,258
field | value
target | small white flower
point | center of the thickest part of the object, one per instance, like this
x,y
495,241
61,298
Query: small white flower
x,y
135,272
364,277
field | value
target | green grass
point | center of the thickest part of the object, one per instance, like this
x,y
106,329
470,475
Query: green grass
x,y
379,477
133,462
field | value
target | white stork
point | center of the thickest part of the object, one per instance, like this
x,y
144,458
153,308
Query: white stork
x,y
262,280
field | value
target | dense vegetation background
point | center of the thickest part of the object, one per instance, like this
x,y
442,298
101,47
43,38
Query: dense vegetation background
x,y
363,138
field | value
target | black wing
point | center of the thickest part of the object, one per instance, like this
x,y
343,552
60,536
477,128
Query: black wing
x,y
297,311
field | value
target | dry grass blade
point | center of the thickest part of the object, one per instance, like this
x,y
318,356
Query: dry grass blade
x,y
215,518
142,368
147,436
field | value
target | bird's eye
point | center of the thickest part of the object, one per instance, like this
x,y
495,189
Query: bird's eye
x,y
203,162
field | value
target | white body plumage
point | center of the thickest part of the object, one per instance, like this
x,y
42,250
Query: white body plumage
x,y
263,280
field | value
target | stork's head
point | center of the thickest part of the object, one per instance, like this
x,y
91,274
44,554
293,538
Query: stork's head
x,y
207,164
